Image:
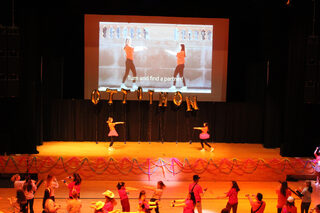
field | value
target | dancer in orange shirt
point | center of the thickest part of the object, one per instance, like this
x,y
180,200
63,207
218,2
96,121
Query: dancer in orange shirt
x,y
129,49
180,67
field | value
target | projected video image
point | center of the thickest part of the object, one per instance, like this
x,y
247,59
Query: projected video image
x,y
160,57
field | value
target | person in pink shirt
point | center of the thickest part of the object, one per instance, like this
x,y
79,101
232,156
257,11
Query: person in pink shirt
x,y
232,194
110,201
196,189
123,194
187,204
289,207
74,185
283,193
317,164
257,206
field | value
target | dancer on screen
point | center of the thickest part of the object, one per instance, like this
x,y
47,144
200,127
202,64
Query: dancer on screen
x,y
204,136
180,67
112,130
129,49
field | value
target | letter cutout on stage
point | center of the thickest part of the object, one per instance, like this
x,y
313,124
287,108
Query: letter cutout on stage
x,y
177,98
163,99
111,92
150,96
139,93
95,96
192,102
124,96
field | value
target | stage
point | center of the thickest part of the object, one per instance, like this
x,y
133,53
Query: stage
x,y
150,161
256,169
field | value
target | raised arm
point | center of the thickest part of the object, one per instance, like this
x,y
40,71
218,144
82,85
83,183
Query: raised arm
x,y
200,128
139,48
250,199
120,122
171,52
315,152
150,188
131,188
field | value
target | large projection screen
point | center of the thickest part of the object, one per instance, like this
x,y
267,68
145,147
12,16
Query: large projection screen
x,y
163,54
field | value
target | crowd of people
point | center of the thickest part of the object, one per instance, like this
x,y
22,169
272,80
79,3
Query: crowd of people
x,y
25,189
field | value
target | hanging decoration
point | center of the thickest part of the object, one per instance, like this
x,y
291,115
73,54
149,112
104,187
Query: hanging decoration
x,y
150,96
95,96
163,99
139,93
192,102
111,92
124,96
177,98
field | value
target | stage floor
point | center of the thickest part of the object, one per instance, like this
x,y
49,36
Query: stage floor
x,y
169,161
157,150
92,191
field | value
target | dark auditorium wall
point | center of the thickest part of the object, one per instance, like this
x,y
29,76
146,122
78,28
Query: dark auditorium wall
x,y
270,111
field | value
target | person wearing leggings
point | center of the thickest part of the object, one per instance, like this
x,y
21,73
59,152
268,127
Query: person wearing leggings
x,y
204,136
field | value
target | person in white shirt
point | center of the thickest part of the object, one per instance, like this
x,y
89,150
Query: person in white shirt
x,y
29,187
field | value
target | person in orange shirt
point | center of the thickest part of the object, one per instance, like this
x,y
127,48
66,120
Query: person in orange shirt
x,y
204,136
129,50
112,130
257,206
180,67
283,193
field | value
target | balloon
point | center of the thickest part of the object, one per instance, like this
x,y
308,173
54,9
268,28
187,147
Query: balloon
x,y
95,96
163,99
139,93
111,92
177,98
124,96
150,96
192,103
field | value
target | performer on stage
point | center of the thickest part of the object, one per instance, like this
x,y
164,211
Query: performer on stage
x,y
112,130
204,136
129,62
180,66
317,166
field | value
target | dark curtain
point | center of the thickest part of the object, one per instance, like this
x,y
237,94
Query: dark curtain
x,y
294,143
81,120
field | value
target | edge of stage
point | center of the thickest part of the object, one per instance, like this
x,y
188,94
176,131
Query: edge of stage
x,y
168,161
